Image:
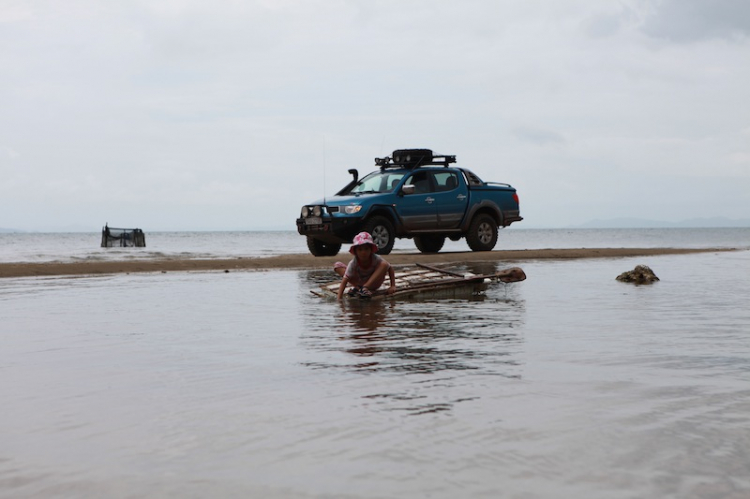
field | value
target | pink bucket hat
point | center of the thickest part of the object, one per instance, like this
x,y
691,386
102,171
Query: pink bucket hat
x,y
361,239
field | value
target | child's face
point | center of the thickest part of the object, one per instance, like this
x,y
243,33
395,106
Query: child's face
x,y
363,252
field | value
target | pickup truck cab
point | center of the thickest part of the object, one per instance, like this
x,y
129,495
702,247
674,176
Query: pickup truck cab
x,y
414,194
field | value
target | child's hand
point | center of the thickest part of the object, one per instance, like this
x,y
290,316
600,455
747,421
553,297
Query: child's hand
x,y
391,289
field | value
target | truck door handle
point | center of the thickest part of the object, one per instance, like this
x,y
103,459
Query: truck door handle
x,y
430,200
460,197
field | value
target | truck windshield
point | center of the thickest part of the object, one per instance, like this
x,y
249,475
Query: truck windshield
x,y
377,182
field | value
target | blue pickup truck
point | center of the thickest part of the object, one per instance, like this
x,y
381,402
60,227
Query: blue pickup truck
x,y
414,194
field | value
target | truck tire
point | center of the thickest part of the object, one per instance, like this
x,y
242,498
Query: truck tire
x,y
319,248
429,244
382,232
482,235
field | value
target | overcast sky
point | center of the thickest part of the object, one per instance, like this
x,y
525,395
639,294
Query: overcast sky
x,y
229,115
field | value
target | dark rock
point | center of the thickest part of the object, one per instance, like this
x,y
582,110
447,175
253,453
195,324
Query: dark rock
x,y
514,274
641,274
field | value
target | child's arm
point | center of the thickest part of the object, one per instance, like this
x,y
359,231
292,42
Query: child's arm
x,y
342,287
392,277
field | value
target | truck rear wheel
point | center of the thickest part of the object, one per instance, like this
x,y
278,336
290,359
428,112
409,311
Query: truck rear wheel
x,y
319,248
382,232
482,234
429,244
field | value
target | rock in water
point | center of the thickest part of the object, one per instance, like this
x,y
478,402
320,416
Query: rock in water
x,y
513,274
641,274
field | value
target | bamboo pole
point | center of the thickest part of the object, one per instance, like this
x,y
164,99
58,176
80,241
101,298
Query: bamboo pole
x,y
437,269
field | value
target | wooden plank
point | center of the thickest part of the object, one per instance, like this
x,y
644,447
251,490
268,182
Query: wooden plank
x,y
429,280
437,269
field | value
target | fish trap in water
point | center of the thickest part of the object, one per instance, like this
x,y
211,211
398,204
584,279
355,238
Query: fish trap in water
x,y
122,238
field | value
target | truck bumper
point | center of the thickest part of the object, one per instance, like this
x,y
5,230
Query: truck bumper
x,y
331,230
510,216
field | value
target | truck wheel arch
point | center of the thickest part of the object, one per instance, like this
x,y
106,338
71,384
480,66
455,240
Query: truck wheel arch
x,y
385,212
389,213
485,207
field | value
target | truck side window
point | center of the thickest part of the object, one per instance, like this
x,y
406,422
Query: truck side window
x,y
446,181
393,181
420,181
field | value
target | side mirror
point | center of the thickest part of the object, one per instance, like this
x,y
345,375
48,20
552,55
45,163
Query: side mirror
x,y
408,189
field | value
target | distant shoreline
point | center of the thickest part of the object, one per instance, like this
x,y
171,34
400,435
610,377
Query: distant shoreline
x,y
306,261
612,224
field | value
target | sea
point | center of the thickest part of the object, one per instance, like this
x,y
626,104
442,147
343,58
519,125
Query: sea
x,y
569,384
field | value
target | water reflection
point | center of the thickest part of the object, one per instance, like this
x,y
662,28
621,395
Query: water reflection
x,y
421,350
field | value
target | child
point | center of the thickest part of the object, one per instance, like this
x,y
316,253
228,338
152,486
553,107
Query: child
x,y
366,272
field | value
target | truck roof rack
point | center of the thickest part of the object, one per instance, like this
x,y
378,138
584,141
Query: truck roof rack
x,y
413,158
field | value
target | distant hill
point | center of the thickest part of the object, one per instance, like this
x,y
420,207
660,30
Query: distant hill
x,y
639,223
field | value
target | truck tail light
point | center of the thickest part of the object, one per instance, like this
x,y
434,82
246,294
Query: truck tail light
x,y
515,198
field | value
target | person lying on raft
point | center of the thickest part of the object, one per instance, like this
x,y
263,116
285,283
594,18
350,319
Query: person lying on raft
x,y
366,272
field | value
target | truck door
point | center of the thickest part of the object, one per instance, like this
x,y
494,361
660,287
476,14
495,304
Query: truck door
x,y
450,196
417,211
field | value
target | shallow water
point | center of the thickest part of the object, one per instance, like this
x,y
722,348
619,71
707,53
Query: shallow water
x,y
76,247
569,384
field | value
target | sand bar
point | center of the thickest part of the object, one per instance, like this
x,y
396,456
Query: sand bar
x,y
306,261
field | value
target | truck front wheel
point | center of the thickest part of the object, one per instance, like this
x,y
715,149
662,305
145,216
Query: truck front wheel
x,y
319,248
482,235
429,244
382,232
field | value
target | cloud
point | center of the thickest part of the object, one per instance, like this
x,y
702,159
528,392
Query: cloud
x,y
615,19
740,158
538,136
8,153
694,20
237,113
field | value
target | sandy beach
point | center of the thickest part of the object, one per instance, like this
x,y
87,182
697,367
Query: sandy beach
x,y
305,261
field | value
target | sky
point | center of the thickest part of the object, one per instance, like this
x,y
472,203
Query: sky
x,y
230,115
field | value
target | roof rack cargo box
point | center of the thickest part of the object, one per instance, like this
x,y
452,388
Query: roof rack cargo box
x,y
413,158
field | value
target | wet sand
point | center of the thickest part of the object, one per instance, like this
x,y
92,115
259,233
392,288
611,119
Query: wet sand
x,y
306,261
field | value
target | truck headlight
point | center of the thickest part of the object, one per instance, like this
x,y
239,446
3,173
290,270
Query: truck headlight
x,y
304,212
352,209
317,211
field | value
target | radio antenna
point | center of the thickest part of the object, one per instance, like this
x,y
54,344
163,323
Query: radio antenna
x,y
324,169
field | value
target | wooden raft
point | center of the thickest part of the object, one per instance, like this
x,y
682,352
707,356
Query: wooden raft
x,y
433,282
